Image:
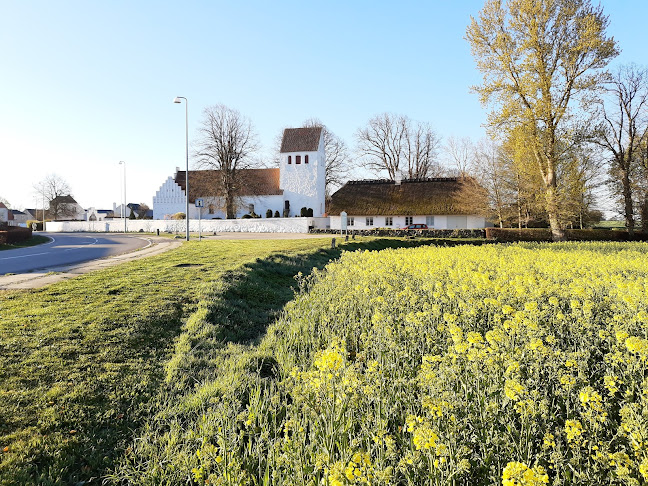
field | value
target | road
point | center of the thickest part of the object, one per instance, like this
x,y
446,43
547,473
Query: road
x,y
67,249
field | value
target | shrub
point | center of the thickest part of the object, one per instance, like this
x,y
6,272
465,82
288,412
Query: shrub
x,y
179,216
276,214
269,213
246,216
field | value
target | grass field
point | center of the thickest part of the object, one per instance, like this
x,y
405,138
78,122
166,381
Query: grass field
x,y
87,364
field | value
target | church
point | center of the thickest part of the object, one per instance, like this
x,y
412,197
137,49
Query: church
x,y
299,182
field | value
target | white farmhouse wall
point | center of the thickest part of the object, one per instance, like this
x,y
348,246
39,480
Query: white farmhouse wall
x,y
4,215
304,185
440,222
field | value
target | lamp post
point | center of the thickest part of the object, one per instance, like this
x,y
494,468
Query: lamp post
x,y
177,100
121,162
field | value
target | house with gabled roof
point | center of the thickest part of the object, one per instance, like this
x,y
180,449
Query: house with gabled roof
x,y
439,203
298,182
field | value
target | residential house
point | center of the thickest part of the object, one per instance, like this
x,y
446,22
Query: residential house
x,y
440,203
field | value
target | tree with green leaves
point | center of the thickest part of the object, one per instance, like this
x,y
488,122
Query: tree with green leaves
x,y
537,57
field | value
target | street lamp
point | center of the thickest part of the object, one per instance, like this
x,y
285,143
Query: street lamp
x,y
121,162
177,100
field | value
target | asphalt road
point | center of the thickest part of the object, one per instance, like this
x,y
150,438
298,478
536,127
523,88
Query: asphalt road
x,y
67,249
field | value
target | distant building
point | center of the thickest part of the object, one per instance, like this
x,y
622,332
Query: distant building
x,y
65,208
299,182
438,202
5,214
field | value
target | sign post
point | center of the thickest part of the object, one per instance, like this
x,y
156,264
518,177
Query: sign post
x,y
199,204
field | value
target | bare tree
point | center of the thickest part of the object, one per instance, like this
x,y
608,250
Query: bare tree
x,y
460,151
393,143
226,143
57,194
422,151
624,126
337,156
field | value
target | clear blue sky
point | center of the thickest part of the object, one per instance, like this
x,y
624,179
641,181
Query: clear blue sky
x,y
85,84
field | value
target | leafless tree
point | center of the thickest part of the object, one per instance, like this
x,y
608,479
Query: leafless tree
x,y
142,210
395,144
460,151
57,194
624,125
226,143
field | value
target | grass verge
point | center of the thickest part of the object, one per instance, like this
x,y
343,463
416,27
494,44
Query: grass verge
x,y
82,360
33,241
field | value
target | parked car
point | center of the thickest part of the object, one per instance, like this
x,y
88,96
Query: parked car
x,y
416,226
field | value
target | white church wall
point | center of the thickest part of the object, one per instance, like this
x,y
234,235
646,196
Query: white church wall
x,y
255,225
304,184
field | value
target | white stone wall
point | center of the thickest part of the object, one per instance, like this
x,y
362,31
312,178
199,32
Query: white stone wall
x,y
304,185
440,222
257,225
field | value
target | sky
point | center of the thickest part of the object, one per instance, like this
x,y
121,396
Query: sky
x,y
87,84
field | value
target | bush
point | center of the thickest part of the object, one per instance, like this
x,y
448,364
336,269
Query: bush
x,y
303,212
544,234
179,216
276,214
310,212
14,234
246,216
269,213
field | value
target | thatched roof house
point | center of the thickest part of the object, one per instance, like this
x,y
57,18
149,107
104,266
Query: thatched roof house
x,y
442,202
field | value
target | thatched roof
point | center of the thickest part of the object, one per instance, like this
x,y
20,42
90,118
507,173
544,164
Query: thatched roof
x,y
252,182
301,139
442,195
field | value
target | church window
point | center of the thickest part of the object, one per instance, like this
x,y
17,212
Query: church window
x,y
290,159
305,159
297,159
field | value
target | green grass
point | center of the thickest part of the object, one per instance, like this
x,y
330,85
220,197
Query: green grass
x,y
87,363
33,241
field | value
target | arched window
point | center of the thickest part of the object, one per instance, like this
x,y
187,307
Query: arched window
x,y
305,159
290,159
297,159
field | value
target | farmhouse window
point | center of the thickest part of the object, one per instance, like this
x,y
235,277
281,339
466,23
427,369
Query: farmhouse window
x,y
350,221
409,220
290,159
297,159
210,208
389,221
369,221
429,220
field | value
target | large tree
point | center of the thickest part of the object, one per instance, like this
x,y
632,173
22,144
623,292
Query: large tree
x,y
623,129
537,56
56,193
226,143
396,145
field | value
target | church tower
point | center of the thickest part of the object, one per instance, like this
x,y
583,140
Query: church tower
x,y
303,170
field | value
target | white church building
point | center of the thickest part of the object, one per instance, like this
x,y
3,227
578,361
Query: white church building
x,y
299,182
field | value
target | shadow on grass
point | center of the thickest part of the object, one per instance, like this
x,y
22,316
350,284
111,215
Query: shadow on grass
x,y
250,299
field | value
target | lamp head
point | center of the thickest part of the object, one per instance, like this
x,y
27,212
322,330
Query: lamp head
x,y
177,100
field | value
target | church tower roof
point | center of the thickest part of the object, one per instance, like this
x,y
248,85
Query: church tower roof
x,y
301,139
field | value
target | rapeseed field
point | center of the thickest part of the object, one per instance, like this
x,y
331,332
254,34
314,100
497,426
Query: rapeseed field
x,y
500,364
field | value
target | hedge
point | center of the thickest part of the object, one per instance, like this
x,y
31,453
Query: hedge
x,y
544,234
426,233
14,234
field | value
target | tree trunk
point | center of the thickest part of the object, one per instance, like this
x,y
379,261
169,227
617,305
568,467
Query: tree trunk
x,y
627,201
644,214
551,197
